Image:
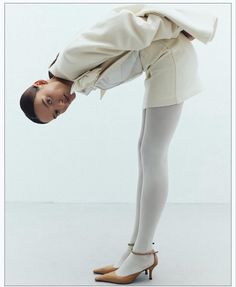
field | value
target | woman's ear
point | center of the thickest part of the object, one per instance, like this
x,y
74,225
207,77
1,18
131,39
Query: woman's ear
x,y
39,83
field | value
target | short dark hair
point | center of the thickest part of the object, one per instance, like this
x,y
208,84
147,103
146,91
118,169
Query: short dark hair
x,y
27,104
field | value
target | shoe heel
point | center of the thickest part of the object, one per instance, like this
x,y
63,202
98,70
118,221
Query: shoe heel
x,y
153,265
150,271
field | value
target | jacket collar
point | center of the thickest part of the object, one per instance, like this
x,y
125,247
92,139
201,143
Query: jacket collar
x,y
49,73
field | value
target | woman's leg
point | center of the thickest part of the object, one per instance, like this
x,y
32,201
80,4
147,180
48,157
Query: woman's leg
x,y
138,196
160,125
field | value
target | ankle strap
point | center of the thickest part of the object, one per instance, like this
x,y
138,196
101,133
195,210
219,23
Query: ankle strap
x,y
132,244
145,253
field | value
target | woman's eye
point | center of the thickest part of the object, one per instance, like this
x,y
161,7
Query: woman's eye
x,y
49,101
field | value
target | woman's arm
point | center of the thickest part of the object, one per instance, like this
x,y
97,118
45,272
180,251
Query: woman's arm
x,y
119,32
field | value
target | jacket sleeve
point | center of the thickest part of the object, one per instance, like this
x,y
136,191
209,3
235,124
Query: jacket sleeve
x,y
119,32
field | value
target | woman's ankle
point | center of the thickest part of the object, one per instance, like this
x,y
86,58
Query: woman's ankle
x,y
123,257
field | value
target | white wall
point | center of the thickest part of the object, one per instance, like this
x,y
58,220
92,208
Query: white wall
x,y
90,153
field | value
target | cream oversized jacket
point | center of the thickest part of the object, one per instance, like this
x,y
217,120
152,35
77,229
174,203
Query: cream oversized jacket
x,y
126,29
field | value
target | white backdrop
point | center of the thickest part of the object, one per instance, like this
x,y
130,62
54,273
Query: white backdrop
x,y
89,154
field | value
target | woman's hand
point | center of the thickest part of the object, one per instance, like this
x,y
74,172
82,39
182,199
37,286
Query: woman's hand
x,y
190,37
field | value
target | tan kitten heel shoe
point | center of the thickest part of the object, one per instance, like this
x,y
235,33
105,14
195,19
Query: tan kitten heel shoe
x,y
108,268
114,278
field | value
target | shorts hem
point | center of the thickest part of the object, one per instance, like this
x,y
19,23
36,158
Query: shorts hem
x,y
170,101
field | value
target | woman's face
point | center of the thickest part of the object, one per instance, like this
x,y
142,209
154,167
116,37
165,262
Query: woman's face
x,y
52,99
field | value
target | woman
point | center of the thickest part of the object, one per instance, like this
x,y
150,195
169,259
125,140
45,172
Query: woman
x,y
132,39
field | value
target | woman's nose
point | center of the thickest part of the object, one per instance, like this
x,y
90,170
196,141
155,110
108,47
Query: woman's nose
x,y
61,105
61,102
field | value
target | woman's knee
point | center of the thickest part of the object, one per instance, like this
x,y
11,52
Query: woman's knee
x,y
153,155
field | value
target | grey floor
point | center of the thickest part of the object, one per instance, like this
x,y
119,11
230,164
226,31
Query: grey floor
x,y
61,243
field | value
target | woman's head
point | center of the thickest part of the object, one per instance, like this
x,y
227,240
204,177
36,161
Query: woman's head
x,y
45,100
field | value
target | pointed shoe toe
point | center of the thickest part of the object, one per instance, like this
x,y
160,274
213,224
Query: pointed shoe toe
x,y
105,269
112,277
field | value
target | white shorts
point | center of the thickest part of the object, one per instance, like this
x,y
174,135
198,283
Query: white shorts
x,y
171,69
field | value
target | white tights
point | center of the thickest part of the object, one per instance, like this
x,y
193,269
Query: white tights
x,y
158,127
